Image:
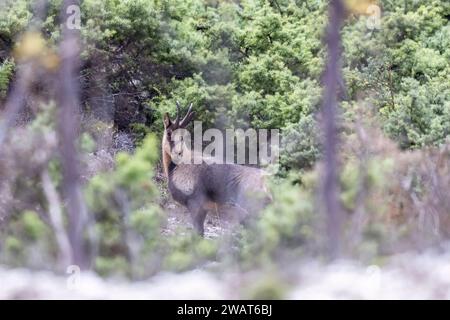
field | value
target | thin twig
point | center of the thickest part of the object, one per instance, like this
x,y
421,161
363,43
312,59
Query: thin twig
x,y
56,219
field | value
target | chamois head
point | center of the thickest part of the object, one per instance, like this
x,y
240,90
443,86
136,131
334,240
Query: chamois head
x,y
168,144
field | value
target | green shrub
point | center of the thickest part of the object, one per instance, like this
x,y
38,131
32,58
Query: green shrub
x,y
6,71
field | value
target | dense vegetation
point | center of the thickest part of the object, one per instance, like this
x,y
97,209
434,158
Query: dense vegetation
x,y
250,63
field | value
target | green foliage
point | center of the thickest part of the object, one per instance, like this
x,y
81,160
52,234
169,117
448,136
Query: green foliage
x,y
27,241
15,18
404,70
256,63
188,250
257,67
6,71
129,220
286,229
125,205
300,144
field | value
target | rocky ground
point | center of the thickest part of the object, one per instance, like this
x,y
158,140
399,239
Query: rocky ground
x,y
178,216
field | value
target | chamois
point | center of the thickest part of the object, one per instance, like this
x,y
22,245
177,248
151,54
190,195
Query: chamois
x,y
200,187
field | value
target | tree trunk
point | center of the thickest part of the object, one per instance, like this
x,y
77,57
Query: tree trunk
x,y
330,183
68,127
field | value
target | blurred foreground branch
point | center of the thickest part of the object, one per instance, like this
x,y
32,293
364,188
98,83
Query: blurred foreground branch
x,y
68,127
56,219
331,81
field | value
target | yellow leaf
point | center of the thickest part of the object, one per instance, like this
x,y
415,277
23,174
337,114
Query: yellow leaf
x,y
360,6
33,46
30,46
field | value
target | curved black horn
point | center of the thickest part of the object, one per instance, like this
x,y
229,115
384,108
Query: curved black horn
x,y
188,117
187,113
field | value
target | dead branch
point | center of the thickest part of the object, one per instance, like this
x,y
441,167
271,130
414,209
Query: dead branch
x,y
56,219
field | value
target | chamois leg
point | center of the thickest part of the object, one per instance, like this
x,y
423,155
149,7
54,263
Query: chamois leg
x,y
198,215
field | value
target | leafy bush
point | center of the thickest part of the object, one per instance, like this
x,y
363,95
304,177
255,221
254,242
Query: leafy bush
x,y
6,71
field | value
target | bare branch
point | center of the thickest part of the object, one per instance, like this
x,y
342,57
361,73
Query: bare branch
x,y
56,219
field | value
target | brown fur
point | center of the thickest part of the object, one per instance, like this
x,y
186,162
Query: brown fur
x,y
200,187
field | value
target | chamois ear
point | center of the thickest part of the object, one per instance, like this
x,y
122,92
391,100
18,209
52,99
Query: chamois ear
x,y
167,121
